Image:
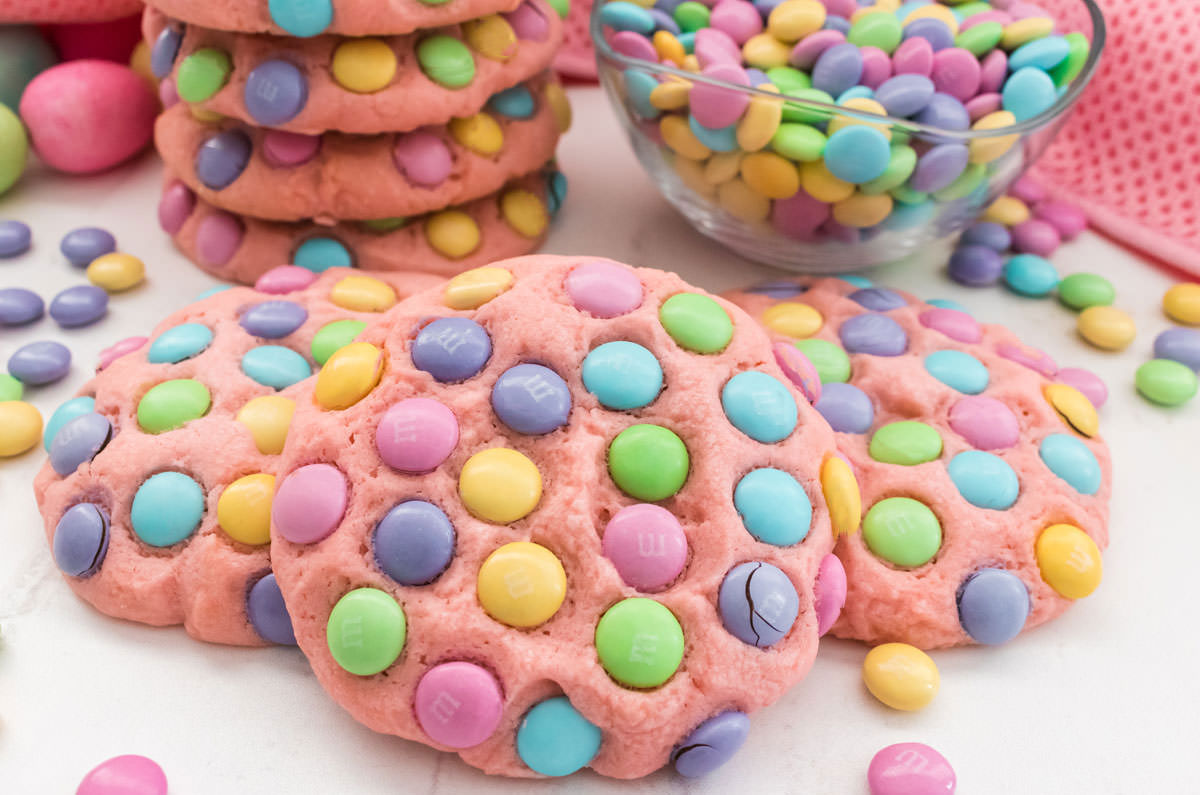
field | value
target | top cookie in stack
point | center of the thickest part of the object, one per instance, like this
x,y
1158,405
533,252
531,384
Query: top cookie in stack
x,y
322,133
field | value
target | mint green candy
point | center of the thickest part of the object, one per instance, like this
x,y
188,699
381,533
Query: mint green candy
x,y
798,142
202,74
803,115
446,61
878,29
561,7
831,362
171,404
10,388
696,322
1070,67
332,337
1082,290
788,79
639,642
1166,382
366,631
690,16
980,39
906,443
902,531
901,166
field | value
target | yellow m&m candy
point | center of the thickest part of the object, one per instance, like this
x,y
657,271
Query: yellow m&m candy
x,y
1069,560
268,419
474,288
348,376
500,485
524,212
244,509
479,133
20,427
492,37
901,676
1107,327
1182,304
116,272
363,294
841,495
793,319
1073,407
364,66
452,233
521,584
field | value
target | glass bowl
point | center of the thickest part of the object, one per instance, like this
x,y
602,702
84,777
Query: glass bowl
x,y
800,232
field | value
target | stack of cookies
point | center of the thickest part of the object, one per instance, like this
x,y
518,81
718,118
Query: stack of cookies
x,y
415,135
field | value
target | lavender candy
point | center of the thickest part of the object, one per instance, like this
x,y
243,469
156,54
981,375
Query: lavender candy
x,y
15,239
711,744
1179,345
846,408
268,613
81,540
223,158
414,542
905,95
838,69
165,51
758,604
988,233
39,363
78,442
19,306
78,306
273,320
939,167
81,246
945,112
276,91
932,30
878,299
452,349
976,266
531,399
992,606
874,334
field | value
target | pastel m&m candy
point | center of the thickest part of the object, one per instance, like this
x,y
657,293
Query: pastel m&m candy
x,y
129,774
901,676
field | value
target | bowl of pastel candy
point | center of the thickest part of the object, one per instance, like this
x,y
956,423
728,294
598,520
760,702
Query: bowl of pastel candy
x,y
827,135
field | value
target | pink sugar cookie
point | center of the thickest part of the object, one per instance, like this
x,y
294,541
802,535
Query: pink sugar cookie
x,y
156,498
409,100
353,177
587,528
985,486
510,222
48,11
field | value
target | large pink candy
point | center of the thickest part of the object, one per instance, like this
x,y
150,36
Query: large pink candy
x,y
416,435
1028,190
88,116
739,19
423,158
635,45
285,279
910,769
993,69
119,349
218,238
528,23
124,775
913,57
983,104
799,369
604,289
954,324
877,67
829,593
985,422
956,72
309,504
716,107
808,49
713,47
458,704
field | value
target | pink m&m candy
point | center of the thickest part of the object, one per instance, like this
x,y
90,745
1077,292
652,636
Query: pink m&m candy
x,y
985,422
799,369
124,775
1038,361
310,503
646,545
829,593
1067,218
910,769
954,324
716,107
1086,382
285,279
416,435
423,158
284,149
175,206
458,704
604,289
119,349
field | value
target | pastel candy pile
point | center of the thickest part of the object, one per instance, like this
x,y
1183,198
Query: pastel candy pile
x,y
909,72
985,483
559,513
339,133
157,493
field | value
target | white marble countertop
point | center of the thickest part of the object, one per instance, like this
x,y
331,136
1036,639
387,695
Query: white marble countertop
x,y
1098,701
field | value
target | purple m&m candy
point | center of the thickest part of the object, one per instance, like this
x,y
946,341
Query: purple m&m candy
x,y
976,266
758,604
81,246
910,769
223,158
932,30
875,334
273,320
78,306
165,51
276,91
711,744
846,408
15,239
939,167
39,363
987,233
452,349
992,606
268,614
945,112
414,542
531,399
838,69
1178,344
905,94
81,540
19,306
878,299
78,442
1036,236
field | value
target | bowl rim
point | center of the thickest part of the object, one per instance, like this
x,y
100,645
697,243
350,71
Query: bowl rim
x,y
1064,102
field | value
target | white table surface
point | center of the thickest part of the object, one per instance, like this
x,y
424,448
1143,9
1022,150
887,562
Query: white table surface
x,y
1100,701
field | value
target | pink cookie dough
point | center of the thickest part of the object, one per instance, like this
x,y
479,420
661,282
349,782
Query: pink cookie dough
x,y
1009,418
48,11
552,311
242,248
202,582
409,101
360,178
350,17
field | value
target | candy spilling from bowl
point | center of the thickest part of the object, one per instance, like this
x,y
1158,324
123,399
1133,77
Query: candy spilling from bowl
x,y
825,135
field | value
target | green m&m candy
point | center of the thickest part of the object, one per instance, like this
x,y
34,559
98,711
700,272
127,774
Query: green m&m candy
x,y
170,404
202,74
446,61
334,336
902,531
366,631
832,363
878,29
1083,290
640,642
10,388
696,322
1166,382
648,462
14,148
906,443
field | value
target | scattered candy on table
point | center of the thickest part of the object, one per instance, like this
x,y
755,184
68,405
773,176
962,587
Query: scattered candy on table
x,y
15,239
1182,303
19,306
1166,382
39,363
77,306
901,676
1106,327
20,426
910,769
116,272
81,246
1181,345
